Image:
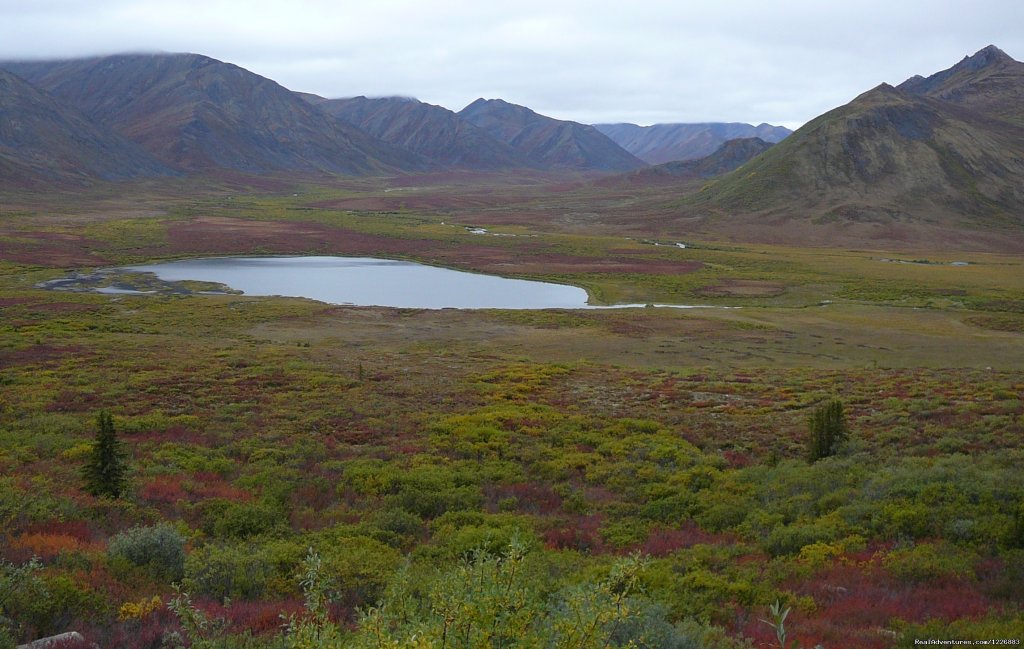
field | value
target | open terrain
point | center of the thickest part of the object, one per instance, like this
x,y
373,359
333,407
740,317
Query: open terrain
x,y
258,428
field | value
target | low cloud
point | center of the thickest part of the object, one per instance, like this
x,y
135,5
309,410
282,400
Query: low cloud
x,y
644,62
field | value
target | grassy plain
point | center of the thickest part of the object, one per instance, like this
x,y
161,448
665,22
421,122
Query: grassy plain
x,y
260,427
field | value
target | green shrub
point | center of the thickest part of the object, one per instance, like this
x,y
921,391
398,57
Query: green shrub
x,y
160,549
359,568
396,527
229,571
929,561
791,539
243,520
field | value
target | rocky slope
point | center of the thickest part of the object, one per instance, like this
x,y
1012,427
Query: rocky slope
x,y
43,141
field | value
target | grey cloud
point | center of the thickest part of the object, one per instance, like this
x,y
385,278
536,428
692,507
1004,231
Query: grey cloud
x,y
645,61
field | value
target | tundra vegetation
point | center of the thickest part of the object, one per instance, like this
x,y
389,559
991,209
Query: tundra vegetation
x,y
297,474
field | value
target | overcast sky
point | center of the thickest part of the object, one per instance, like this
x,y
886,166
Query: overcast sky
x,y
641,61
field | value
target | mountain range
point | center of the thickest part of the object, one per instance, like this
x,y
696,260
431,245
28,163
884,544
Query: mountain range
x,y
434,132
943,149
140,115
167,114
197,114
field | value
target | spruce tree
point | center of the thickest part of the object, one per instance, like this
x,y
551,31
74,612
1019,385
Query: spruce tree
x,y
828,430
106,471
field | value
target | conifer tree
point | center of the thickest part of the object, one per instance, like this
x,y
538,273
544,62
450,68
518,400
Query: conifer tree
x,y
106,471
828,430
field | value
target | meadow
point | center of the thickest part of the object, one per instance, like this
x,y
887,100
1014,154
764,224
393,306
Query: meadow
x,y
645,470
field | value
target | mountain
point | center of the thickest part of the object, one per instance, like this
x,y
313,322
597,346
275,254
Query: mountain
x,y
43,141
669,142
197,114
731,155
548,142
433,132
943,151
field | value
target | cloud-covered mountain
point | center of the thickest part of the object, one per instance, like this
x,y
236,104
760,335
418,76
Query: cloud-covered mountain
x,y
196,114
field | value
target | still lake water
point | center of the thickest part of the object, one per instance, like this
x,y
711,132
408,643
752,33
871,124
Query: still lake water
x,y
365,281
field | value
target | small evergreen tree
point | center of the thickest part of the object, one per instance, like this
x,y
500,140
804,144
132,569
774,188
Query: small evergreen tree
x,y
1017,531
828,430
106,471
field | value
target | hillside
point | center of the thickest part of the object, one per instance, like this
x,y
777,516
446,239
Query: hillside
x,y
663,143
891,155
197,114
433,132
731,155
548,142
43,141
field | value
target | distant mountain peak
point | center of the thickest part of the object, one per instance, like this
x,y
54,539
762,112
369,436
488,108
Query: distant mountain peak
x,y
883,91
969,67
987,55
988,80
662,143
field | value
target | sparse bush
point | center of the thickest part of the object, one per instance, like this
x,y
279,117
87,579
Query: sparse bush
x,y
160,549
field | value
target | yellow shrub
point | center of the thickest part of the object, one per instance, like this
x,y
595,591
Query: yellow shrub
x,y
140,609
819,554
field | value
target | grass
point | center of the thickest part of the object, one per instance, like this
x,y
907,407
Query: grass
x,y
262,426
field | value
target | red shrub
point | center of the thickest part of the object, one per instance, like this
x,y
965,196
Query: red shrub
x,y
46,546
260,617
664,541
581,534
206,484
73,528
164,489
531,497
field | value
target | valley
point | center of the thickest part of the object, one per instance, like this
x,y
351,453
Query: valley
x,y
305,474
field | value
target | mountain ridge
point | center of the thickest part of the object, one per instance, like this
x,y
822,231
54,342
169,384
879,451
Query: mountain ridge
x,y
558,144
432,131
197,114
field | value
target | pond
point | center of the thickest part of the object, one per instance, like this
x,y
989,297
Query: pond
x,y
367,281
359,281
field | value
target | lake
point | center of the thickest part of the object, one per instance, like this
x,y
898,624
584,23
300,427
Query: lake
x,y
367,281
